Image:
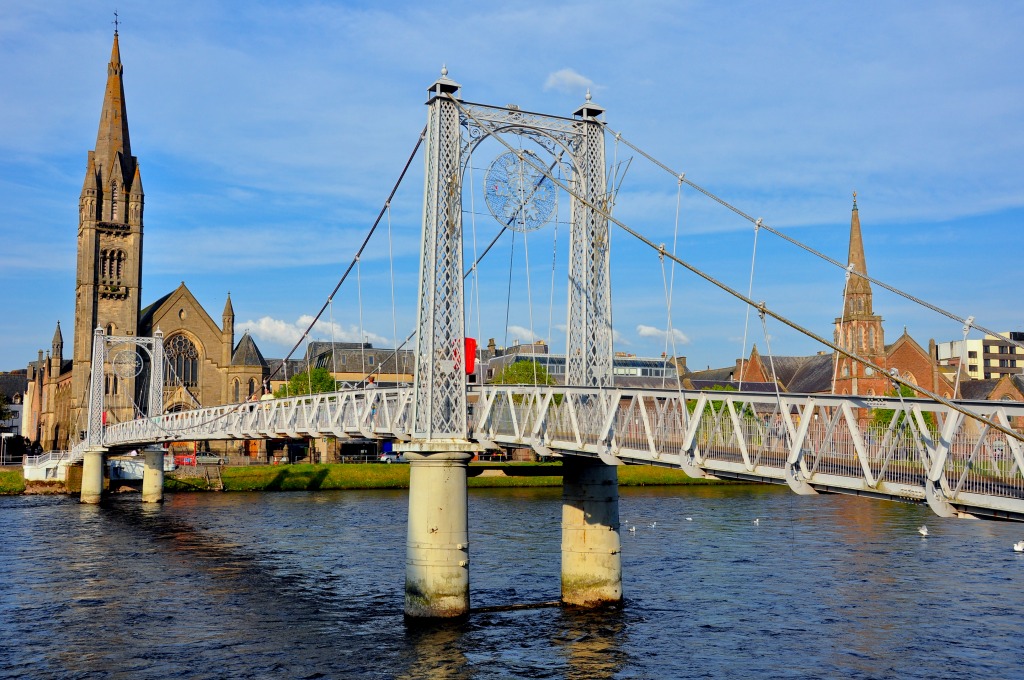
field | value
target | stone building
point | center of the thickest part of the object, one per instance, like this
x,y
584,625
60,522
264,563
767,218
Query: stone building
x,y
203,366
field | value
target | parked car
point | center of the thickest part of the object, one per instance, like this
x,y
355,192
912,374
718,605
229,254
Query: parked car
x,y
209,459
391,457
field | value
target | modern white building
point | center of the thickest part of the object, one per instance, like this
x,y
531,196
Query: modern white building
x,y
990,357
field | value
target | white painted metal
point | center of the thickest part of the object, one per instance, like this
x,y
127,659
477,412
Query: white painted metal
x,y
980,473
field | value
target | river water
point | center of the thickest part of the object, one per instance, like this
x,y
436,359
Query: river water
x,y
310,585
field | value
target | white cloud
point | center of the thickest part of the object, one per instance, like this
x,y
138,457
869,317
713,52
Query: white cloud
x,y
567,80
651,332
281,332
522,334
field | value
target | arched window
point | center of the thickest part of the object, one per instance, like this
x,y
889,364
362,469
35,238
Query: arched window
x,y
862,339
181,361
871,338
234,390
252,386
115,198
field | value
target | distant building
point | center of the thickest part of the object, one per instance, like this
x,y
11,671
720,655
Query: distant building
x,y
983,359
628,370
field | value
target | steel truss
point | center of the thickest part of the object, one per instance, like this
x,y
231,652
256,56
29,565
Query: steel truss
x,y
813,443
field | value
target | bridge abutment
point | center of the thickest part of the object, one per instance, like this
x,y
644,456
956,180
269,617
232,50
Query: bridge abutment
x,y
591,550
437,543
153,475
92,474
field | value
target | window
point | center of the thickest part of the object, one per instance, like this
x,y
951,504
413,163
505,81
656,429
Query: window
x,y
252,386
181,361
115,198
234,391
972,355
112,266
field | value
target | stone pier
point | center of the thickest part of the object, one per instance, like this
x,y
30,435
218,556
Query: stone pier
x,y
437,544
153,475
591,551
92,474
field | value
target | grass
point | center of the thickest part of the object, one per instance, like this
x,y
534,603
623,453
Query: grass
x,y
307,477
12,481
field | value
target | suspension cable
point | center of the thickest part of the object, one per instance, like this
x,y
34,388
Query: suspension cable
x,y
750,294
362,247
803,246
731,291
842,322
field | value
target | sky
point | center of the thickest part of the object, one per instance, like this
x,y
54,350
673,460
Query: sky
x,y
270,134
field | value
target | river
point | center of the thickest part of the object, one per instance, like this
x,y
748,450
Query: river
x,y
310,585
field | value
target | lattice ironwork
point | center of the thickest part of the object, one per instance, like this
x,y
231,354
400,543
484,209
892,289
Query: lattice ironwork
x,y
589,352
440,403
127,367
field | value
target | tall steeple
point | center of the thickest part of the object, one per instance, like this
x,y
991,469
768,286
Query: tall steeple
x,y
858,290
112,138
859,329
108,284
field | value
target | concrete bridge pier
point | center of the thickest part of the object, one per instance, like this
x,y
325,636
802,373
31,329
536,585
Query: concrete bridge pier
x,y
591,551
437,542
92,474
153,475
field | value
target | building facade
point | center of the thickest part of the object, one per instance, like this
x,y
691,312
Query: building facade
x,y
203,365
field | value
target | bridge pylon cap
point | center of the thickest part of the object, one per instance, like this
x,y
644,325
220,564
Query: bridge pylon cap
x,y
589,109
444,84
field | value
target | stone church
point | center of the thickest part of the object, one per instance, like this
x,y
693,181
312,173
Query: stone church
x,y
204,366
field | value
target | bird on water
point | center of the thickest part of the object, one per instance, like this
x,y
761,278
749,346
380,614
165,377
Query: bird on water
x,y
923,530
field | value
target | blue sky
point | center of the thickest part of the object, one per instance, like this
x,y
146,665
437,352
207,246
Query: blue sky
x,y
269,135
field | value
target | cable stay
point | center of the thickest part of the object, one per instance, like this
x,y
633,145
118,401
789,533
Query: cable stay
x,y
804,246
760,306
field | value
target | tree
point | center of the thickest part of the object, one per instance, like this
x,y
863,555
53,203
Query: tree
x,y
523,373
881,417
319,380
5,412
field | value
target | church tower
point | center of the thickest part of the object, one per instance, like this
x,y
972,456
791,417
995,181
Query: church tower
x,y
109,276
859,329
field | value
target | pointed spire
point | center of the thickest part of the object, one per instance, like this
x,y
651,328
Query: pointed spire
x,y
228,309
58,337
858,285
112,137
137,182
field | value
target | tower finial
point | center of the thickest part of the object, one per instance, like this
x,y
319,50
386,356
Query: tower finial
x,y
116,22
444,70
854,200
588,95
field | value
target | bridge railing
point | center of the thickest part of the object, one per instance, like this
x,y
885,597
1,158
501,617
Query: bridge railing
x,y
810,441
890,447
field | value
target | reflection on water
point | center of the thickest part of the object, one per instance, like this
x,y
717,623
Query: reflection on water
x,y
310,585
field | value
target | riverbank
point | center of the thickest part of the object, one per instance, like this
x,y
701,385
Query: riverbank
x,y
306,477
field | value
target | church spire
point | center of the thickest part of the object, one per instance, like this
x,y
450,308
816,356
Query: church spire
x,y
858,286
112,137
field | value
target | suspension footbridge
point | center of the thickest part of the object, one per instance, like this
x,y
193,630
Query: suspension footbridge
x,y
961,458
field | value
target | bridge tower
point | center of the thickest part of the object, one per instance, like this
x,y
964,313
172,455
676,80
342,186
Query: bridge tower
x,y
437,550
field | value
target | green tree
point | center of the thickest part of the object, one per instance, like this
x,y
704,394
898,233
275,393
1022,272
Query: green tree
x,y
523,373
881,417
5,412
314,382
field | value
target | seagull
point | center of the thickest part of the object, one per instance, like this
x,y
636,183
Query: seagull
x,y
757,520
689,519
632,530
1018,546
923,530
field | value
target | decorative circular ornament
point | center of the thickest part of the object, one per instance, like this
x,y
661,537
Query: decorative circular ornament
x,y
519,194
127,363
